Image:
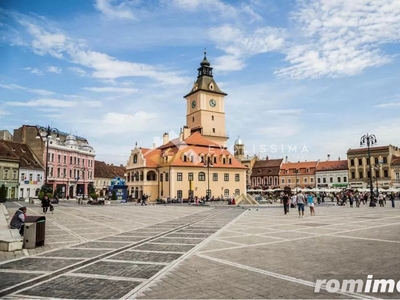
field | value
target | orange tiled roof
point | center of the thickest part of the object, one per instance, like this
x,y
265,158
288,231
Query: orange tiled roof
x,y
299,165
302,168
195,145
332,165
195,139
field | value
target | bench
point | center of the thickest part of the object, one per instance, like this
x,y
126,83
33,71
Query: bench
x,y
10,239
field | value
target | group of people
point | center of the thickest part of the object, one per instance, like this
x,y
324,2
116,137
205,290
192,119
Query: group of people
x,y
359,197
299,200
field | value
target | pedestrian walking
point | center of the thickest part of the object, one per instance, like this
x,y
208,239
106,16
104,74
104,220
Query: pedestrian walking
x,y
357,199
285,200
300,199
310,202
392,199
144,198
45,204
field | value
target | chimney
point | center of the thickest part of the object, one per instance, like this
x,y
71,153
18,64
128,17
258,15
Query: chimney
x,y
186,132
266,158
338,158
329,157
165,138
286,159
154,146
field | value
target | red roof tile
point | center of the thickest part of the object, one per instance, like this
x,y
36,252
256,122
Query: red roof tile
x,y
365,150
103,170
332,165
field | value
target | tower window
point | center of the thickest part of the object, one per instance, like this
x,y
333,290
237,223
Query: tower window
x,y
213,130
212,118
192,119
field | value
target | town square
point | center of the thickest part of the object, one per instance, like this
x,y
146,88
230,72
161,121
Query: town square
x,y
199,149
179,251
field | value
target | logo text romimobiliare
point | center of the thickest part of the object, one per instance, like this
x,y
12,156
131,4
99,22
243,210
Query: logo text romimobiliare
x,y
369,285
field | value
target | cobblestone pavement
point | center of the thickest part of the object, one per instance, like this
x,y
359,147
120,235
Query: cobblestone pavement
x,y
187,252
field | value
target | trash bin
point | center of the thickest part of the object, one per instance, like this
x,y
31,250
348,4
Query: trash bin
x,y
34,232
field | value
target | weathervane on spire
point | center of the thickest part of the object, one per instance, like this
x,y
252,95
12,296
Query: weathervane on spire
x,y
205,53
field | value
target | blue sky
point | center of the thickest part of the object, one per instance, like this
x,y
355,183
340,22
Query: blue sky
x,y
312,75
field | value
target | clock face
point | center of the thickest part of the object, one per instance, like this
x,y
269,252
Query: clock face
x,y
213,102
193,104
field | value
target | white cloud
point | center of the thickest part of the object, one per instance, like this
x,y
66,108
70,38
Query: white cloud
x,y
54,103
79,71
129,120
284,112
341,38
216,6
111,90
45,42
392,101
104,66
120,11
388,105
4,113
240,44
34,71
53,69
34,91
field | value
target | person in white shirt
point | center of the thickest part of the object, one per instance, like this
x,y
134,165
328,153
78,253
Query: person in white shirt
x,y
300,199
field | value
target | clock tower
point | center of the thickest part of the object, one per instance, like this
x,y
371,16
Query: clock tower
x,y
205,106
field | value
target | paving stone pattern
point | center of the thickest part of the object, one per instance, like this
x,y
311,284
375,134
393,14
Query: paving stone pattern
x,y
121,269
146,256
37,264
8,279
74,253
164,247
261,254
68,287
110,271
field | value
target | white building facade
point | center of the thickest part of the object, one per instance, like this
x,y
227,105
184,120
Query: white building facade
x,y
332,174
30,182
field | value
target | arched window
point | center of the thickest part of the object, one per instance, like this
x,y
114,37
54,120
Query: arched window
x,y
135,159
202,176
151,176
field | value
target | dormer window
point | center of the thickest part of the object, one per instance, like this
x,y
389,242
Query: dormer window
x,y
215,159
224,160
230,161
185,158
202,159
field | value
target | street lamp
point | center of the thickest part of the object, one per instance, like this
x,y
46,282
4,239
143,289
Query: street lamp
x,y
377,168
208,164
48,131
296,172
369,140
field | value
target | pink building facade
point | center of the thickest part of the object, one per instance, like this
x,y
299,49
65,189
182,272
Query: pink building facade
x,y
70,167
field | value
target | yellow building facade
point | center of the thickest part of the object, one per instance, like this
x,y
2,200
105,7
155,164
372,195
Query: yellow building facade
x,y
197,163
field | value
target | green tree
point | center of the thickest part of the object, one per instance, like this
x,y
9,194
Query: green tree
x,y
91,189
114,195
3,193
